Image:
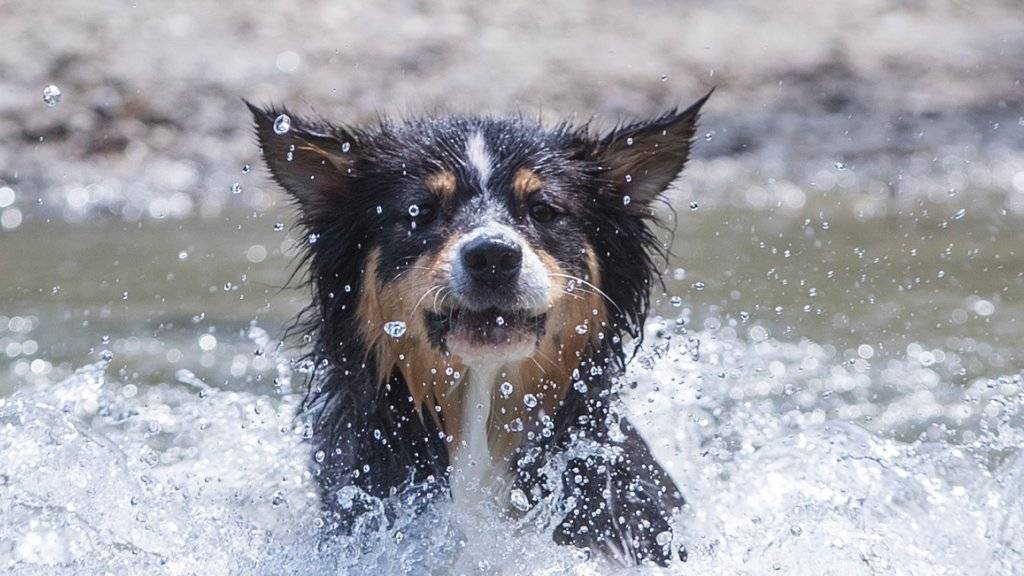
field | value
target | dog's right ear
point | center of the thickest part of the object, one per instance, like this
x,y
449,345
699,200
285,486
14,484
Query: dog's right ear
x,y
312,160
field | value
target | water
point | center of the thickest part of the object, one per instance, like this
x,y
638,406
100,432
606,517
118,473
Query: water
x,y
51,95
187,478
828,401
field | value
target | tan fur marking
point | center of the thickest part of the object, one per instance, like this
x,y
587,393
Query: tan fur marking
x,y
547,374
406,298
336,160
441,183
526,182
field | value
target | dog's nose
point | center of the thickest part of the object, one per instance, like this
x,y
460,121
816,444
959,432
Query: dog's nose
x,y
492,260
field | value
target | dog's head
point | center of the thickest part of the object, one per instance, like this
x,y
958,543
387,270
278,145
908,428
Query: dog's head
x,y
477,241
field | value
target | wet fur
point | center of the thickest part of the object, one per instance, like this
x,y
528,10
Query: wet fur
x,y
384,410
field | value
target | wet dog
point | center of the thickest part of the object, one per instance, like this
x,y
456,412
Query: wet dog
x,y
475,281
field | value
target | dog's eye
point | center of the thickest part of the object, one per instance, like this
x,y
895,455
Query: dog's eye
x,y
543,212
422,213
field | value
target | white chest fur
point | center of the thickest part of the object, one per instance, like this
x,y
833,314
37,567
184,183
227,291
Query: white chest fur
x,y
475,477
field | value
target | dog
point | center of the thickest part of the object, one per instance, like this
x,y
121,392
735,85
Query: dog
x,y
475,281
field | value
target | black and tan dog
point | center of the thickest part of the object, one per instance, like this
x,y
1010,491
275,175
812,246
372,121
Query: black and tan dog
x,y
473,282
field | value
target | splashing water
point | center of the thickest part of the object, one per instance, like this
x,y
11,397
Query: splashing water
x,y
51,95
395,328
788,458
282,124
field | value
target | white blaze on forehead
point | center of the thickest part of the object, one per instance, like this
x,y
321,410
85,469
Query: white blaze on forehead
x,y
478,157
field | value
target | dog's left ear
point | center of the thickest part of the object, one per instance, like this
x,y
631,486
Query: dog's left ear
x,y
311,160
642,159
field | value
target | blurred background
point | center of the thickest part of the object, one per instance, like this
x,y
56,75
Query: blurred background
x,y
858,179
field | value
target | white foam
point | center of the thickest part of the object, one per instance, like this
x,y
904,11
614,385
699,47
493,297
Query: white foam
x,y
180,480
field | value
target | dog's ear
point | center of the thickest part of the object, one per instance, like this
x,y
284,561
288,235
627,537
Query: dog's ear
x,y
312,160
643,158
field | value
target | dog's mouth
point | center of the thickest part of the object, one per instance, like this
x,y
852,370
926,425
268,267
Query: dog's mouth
x,y
491,328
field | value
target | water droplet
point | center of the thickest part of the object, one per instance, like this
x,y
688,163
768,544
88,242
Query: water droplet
x,y
519,500
106,355
699,285
984,308
51,95
626,200
664,538
839,165
500,321
245,169
124,295
677,301
380,210
346,147
960,214
278,226
580,386
395,328
312,238
227,286
236,188
629,141
708,136
581,329
183,255
629,178
505,389
664,77
516,425
693,206
348,288
414,210
282,124
319,456
530,400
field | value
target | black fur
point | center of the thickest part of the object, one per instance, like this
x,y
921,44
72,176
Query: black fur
x,y
353,188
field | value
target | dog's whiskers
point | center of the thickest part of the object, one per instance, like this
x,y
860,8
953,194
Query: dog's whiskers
x,y
539,367
576,293
425,294
443,289
409,269
588,284
544,357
